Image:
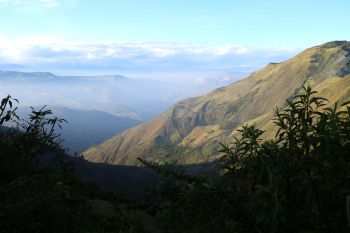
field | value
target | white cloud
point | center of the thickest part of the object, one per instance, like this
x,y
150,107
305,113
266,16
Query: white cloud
x,y
44,52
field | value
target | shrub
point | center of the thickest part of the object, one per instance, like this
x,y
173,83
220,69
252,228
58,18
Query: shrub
x,y
299,182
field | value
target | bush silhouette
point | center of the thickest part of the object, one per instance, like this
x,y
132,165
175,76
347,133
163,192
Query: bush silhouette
x,y
39,191
298,182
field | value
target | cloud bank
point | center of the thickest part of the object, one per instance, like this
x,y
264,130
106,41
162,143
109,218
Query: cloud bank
x,y
97,57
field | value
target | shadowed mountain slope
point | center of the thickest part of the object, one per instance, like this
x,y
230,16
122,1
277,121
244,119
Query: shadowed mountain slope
x,y
85,127
128,181
189,131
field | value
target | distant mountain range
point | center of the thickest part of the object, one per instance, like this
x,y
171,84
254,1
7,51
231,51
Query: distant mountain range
x,y
139,99
190,131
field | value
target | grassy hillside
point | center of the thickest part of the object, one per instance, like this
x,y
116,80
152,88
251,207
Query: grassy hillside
x,y
190,130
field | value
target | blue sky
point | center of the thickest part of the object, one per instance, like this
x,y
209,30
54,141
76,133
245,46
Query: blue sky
x,y
164,32
295,23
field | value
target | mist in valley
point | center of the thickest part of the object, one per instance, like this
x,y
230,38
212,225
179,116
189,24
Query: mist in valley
x,y
128,83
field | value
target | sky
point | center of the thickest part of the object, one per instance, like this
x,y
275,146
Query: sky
x,y
149,37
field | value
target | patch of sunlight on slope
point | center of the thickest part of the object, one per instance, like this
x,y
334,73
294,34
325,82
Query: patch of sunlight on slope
x,y
200,135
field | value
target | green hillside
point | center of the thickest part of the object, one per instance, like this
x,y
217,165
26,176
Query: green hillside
x,y
190,130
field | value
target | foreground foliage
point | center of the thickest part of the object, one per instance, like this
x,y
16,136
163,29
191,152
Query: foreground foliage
x,y
299,182
39,191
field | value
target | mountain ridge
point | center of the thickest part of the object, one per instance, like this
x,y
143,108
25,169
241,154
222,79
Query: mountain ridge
x,y
189,131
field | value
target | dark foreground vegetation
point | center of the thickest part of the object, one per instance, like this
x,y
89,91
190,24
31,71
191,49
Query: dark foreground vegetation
x,y
299,182
39,191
